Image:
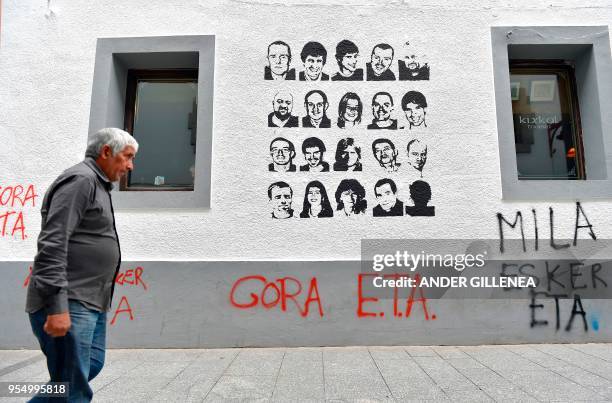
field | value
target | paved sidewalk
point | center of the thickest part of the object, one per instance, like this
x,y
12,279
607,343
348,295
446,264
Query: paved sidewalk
x,y
540,372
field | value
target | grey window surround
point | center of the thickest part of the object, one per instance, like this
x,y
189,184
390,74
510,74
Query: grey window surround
x,y
114,56
589,47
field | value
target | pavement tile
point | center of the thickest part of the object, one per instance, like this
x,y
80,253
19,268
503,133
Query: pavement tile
x,y
464,363
35,372
158,368
242,387
304,354
388,353
495,386
403,369
603,351
420,351
449,352
11,357
291,388
256,362
132,388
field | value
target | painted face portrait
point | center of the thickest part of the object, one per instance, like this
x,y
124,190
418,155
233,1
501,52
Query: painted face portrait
x,y
384,153
352,110
313,156
381,60
351,156
417,155
315,106
281,152
382,106
415,114
349,62
281,201
313,66
283,105
278,57
412,62
314,196
385,196
349,198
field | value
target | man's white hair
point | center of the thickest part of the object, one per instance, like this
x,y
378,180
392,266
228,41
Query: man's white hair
x,y
117,139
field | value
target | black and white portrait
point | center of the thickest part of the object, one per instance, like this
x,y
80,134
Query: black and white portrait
x,y
414,106
282,152
348,156
279,60
416,157
382,107
316,202
412,67
347,55
314,57
385,153
385,191
420,193
280,198
314,151
282,106
350,110
316,106
350,198
380,63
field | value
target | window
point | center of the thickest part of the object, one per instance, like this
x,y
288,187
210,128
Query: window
x,y
161,90
553,86
546,118
160,112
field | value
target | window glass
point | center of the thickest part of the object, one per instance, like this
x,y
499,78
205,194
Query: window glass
x,y
546,121
164,116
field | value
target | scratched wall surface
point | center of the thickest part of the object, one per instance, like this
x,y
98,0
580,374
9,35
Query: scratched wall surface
x,y
47,52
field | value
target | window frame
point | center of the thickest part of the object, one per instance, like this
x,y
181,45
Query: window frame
x,y
159,75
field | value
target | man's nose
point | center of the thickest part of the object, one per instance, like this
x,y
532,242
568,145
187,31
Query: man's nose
x,y
130,165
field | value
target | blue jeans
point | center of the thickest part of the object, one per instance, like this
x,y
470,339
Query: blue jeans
x,y
76,357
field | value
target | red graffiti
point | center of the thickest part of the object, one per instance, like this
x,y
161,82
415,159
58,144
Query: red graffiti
x,y
28,277
131,277
11,221
127,309
409,302
268,294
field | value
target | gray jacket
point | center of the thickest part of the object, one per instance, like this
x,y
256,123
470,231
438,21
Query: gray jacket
x,y
78,247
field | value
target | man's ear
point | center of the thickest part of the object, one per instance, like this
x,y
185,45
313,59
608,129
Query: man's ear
x,y
107,151
326,106
292,155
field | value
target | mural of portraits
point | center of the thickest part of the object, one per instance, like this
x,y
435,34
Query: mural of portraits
x,y
282,106
282,153
280,199
348,156
279,61
316,203
314,151
350,198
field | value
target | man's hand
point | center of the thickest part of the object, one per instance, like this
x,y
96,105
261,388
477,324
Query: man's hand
x,y
57,325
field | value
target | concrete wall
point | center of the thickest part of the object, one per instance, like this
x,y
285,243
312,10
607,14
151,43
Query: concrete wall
x,y
193,257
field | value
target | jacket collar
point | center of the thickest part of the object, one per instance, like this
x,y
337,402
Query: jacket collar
x,y
91,163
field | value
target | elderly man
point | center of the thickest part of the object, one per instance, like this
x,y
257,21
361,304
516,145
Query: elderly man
x,y
78,257
316,106
280,196
282,106
279,59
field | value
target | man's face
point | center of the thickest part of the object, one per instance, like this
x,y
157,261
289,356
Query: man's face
x,y
283,105
281,152
115,166
281,201
349,62
350,155
313,156
415,114
385,196
278,57
352,110
382,107
381,60
412,62
314,196
384,153
349,198
315,106
313,65
417,155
